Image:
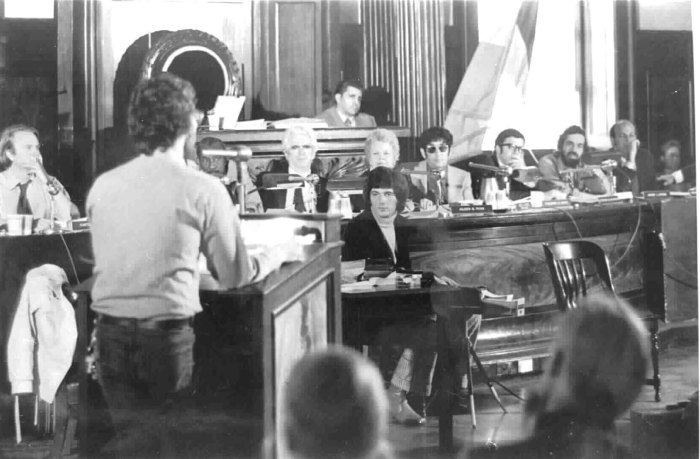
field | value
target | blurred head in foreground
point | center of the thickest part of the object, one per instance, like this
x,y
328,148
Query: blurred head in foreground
x,y
334,406
597,367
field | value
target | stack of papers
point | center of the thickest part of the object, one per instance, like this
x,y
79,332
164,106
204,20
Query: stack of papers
x,y
225,112
313,123
502,304
251,125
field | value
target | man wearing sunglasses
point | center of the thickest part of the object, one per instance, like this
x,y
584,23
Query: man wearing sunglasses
x,y
507,153
558,169
434,181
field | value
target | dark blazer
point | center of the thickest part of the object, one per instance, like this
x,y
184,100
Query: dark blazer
x,y
332,118
518,190
275,199
688,177
364,239
644,178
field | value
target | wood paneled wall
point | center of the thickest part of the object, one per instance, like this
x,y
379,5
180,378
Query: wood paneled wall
x,y
290,80
405,53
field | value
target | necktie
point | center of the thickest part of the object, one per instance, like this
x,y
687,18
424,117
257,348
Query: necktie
x,y
298,200
348,122
23,206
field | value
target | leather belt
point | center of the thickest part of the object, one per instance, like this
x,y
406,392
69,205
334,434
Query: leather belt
x,y
146,324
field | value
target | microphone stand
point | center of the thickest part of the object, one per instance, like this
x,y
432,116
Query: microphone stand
x,y
53,190
240,154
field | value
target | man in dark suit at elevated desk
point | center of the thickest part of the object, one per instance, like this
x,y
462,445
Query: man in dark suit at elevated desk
x,y
346,111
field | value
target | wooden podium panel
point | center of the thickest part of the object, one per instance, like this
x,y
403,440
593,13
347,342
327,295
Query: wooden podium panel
x,y
294,311
680,258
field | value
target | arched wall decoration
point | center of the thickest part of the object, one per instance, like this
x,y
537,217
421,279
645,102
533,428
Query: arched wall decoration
x,y
201,58
197,56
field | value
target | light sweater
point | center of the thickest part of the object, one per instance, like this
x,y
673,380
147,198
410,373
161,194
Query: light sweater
x,y
150,219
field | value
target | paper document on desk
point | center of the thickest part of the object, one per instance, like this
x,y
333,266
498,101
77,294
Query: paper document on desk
x,y
251,125
495,304
361,286
228,108
430,213
350,271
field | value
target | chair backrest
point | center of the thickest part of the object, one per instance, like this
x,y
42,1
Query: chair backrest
x,y
567,267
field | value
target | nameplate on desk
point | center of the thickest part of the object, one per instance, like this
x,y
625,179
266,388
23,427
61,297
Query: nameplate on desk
x,y
78,224
523,205
656,194
666,194
470,208
557,203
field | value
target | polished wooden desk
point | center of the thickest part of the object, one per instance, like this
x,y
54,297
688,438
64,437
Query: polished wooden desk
x,y
267,143
367,312
504,253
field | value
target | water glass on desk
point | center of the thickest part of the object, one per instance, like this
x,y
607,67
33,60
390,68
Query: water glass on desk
x,y
19,225
340,204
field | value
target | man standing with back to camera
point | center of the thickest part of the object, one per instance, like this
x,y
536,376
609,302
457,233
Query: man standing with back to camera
x,y
151,218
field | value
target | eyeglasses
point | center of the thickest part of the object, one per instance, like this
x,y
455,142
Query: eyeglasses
x,y
515,148
432,148
296,148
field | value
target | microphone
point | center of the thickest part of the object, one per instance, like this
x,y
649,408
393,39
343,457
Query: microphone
x,y
608,165
237,153
494,169
52,185
274,179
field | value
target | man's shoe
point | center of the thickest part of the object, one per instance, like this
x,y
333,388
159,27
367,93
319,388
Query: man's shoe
x,y
401,411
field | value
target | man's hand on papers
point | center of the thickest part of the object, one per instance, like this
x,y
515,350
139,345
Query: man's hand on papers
x,y
289,252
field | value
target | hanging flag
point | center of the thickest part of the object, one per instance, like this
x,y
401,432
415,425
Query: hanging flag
x,y
500,65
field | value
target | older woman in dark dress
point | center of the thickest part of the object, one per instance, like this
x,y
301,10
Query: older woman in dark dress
x,y
380,232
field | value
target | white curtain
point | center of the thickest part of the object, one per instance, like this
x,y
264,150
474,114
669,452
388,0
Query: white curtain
x,y
560,90
598,71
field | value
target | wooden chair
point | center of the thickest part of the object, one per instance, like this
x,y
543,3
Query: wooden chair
x,y
567,266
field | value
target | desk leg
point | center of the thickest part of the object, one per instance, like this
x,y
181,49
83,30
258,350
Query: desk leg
x,y
81,315
446,391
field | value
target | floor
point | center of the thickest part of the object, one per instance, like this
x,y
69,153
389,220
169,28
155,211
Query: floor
x,y
678,367
212,430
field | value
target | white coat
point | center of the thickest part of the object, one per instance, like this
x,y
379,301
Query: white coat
x,y
44,327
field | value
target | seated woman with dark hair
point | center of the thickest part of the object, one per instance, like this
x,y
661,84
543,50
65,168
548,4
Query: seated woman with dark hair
x,y
380,232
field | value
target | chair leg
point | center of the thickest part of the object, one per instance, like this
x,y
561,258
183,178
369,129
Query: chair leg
x,y
655,363
18,428
656,377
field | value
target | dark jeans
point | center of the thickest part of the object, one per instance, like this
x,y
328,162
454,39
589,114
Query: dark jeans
x,y
141,371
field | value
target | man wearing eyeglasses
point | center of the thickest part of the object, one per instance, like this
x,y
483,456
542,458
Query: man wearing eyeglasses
x,y
434,181
507,153
299,146
559,169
